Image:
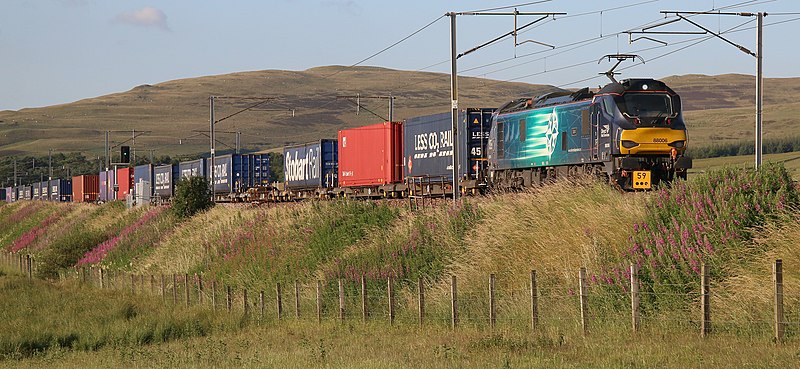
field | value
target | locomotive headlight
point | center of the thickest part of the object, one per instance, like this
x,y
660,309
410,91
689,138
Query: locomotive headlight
x,y
678,144
629,144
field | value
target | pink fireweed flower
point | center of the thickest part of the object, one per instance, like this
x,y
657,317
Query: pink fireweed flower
x,y
100,251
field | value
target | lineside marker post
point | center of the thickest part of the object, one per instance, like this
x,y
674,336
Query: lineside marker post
x,y
296,299
777,278
705,324
492,311
584,300
341,299
319,301
279,300
534,302
453,302
390,293
261,305
421,299
364,308
634,298
228,301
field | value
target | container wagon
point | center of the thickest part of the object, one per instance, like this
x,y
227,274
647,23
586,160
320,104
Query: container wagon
x,y
193,168
60,190
143,183
428,152
124,183
310,170
371,161
234,174
165,177
107,189
86,188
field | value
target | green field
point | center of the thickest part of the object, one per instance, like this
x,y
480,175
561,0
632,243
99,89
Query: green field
x,y
790,160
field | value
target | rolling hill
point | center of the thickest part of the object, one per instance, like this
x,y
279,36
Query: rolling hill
x,y
719,108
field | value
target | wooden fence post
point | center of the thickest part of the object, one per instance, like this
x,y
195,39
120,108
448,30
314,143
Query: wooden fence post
x,y
777,278
102,279
364,305
634,298
297,299
133,283
163,288
199,288
214,295
141,283
534,301
30,267
261,305
174,288
244,302
453,303
319,301
341,299
492,311
584,300
83,274
390,295
187,285
421,300
228,300
705,324
152,284
279,300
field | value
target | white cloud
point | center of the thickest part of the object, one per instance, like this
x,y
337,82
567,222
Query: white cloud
x,y
145,17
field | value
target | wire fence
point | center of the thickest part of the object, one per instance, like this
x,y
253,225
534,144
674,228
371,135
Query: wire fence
x,y
525,305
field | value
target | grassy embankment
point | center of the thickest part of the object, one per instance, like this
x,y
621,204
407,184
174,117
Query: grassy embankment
x,y
735,221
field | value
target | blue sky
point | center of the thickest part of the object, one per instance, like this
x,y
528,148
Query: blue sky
x,y
58,51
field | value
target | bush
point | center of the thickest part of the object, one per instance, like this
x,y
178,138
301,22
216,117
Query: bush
x,y
191,197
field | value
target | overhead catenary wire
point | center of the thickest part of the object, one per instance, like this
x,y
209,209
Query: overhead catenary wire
x,y
388,47
510,6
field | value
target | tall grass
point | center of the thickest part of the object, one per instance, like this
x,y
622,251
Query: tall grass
x,y
38,317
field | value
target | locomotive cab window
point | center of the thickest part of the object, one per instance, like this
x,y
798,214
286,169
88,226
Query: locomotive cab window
x,y
645,104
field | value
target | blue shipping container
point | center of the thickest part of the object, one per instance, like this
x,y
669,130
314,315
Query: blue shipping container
x,y
144,173
193,168
235,173
165,178
428,144
311,165
60,190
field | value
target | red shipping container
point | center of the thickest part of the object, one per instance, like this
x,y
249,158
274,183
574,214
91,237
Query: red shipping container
x,y
371,155
124,181
85,188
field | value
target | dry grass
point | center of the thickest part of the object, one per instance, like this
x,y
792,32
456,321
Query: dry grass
x,y
555,230
189,245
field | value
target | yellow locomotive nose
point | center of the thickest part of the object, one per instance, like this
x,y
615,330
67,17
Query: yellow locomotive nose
x,y
652,140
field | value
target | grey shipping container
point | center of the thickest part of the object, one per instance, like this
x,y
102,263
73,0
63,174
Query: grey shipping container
x,y
428,144
143,180
60,190
107,192
165,177
311,165
193,168
27,192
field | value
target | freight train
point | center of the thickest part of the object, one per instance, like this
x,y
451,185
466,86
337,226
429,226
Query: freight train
x,y
631,133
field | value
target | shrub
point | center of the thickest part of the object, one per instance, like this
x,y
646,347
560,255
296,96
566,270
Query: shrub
x,y
191,197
